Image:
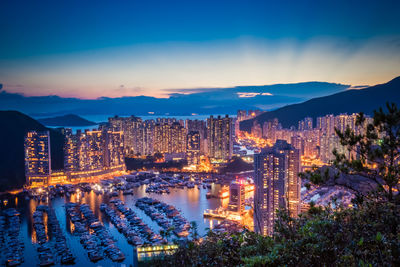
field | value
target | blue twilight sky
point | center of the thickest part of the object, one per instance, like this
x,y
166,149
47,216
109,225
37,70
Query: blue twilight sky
x,y
114,48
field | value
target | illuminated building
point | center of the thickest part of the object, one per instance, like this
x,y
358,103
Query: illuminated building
x,y
298,143
58,177
114,149
95,150
37,158
256,130
178,138
147,137
328,137
220,137
237,197
165,120
148,252
93,153
193,148
277,184
201,127
131,129
161,138
241,115
170,138
306,124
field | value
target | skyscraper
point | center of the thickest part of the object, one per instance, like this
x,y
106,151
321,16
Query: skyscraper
x,y
93,150
178,139
220,137
114,148
193,147
201,127
170,138
277,184
131,128
37,158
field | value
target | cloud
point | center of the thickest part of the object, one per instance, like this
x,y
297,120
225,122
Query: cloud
x,y
357,87
189,90
251,94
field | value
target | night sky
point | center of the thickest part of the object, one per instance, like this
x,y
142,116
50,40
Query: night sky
x,y
89,49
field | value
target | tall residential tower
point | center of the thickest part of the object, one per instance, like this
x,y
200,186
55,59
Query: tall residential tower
x,y
220,137
37,158
277,184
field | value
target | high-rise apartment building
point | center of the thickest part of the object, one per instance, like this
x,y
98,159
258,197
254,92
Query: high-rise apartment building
x,y
241,115
147,137
201,127
37,157
93,150
193,148
131,129
220,137
237,197
178,137
170,138
277,184
305,124
114,148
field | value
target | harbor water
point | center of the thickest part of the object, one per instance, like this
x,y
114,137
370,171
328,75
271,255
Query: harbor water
x,y
191,202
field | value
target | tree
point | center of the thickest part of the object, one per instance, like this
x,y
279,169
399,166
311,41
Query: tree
x,y
193,230
373,152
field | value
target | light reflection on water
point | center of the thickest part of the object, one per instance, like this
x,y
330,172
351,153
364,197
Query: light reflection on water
x,y
191,202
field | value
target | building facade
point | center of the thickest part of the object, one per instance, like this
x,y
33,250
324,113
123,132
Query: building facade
x,y
237,197
220,137
37,157
193,147
277,184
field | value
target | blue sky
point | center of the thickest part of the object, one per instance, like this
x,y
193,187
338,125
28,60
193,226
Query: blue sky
x,y
90,49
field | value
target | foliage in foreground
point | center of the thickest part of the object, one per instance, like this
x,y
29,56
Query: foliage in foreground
x,y
368,234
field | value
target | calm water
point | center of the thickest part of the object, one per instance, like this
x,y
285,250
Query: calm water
x,y
191,203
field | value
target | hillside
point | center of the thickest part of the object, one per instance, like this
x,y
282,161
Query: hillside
x,y
14,126
69,120
351,101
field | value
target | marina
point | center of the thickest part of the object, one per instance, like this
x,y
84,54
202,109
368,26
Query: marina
x,y
101,223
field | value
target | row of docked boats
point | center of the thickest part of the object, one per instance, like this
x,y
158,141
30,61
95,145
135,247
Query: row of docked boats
x,y
128,223
166,216
89,242
12,246
52,250
62,250
94,237
106,240
43,248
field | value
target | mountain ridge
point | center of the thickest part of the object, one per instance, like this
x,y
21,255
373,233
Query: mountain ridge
x,y
350,101
69,120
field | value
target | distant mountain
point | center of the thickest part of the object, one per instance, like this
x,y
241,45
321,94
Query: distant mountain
x,y
350,101
179,102
14,126
69,120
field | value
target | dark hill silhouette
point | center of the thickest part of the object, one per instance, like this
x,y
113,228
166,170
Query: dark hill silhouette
x,y
14,126
351,101
69,120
